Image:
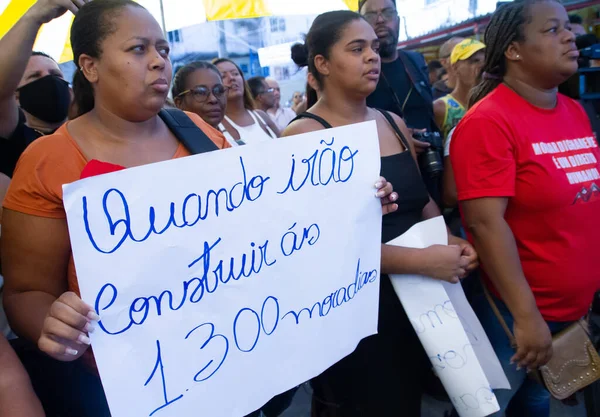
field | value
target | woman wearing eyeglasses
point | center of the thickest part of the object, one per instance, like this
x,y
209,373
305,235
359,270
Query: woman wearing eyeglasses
x,y
242,120
198,88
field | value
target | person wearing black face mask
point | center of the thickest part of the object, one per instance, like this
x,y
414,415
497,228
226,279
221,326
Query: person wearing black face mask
x,y
34,96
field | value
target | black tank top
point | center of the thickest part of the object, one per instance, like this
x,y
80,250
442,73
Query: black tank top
x,y
385,375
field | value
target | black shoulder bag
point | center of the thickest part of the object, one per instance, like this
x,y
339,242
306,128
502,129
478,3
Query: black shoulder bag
x,y
186,131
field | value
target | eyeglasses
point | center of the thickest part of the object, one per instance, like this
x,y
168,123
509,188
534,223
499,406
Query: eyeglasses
x,y
201,93
387,15
267,91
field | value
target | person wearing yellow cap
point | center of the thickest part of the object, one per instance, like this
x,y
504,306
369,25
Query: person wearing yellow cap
x,y
467,61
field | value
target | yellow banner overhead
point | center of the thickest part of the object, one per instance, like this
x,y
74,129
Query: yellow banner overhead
x,y
235,9
13,12
352,4
53,38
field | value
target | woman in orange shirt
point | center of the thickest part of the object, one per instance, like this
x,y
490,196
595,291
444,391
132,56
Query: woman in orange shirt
x,y
121,84
122,81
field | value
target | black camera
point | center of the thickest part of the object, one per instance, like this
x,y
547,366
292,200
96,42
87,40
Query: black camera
x,y
431,161
591,52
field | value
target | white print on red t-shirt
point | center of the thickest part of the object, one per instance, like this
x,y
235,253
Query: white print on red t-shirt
x,y
564,145
568,162
587,193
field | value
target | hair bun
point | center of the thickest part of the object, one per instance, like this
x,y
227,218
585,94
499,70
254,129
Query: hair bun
x,y
300,54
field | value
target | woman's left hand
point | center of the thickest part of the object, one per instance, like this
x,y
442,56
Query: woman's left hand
x,y
385,192
470,259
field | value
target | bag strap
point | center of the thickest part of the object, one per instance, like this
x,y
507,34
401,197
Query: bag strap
x,y
187,132
307,115
261,122
411,69
395,127
385,114
511,337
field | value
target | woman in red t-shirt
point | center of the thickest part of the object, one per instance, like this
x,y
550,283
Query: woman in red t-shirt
x,y
528,182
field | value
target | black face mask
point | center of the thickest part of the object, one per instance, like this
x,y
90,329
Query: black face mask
x,y
47,98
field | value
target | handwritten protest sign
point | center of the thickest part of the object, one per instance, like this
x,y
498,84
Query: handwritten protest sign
x,y
451,334
226,278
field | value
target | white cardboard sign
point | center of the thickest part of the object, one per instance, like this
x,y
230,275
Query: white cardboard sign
x,y
453,338
226,278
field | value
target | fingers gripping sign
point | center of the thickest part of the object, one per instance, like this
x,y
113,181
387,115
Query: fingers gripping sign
x,y
66,329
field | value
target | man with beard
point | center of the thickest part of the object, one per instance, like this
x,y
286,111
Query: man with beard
x,y
34,96
403,86
404,83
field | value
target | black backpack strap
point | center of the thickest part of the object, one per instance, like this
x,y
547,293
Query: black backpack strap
x,y
307,115
184,129
422,87
394,126
413,71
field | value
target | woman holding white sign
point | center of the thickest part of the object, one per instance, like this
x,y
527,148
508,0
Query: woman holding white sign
x,y
121,85
385,375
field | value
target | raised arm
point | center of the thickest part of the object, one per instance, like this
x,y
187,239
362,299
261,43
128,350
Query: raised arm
x,y
15,48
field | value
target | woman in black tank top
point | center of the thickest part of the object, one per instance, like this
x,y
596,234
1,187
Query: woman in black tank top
x,y
385,375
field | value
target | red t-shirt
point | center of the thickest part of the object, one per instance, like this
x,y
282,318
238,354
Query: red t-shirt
x,y
547,163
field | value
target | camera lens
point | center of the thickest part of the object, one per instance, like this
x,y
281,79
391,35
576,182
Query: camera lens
x,y
432,163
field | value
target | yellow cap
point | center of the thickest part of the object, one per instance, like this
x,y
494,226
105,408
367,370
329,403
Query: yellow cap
x,y
465,50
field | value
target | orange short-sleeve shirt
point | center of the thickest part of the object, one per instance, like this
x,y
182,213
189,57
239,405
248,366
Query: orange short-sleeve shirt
x,y
54,160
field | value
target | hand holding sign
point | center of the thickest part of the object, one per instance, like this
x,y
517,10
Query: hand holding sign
x,y
66,327
388,197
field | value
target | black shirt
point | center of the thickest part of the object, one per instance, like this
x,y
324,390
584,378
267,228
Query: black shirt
x,y
12,147
418,111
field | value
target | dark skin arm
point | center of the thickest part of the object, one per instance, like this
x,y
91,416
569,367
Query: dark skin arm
x,y
450,195
17,398
35,255
496,245
449,263
439,112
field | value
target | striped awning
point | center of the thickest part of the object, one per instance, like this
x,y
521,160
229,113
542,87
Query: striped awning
x,y
53,38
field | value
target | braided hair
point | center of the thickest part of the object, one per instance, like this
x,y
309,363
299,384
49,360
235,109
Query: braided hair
x,y
506,27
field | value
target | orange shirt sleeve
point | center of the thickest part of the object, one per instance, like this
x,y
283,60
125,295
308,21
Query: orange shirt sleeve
x,y
54,160
214,135
46,164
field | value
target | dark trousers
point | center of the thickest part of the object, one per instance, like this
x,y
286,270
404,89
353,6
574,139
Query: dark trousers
x,y
66,389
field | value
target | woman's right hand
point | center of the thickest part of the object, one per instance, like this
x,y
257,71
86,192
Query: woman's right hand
x,y
445,263
534,342
66,327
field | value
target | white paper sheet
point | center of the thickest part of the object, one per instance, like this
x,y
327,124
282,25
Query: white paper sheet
x,y
449,330
179,335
